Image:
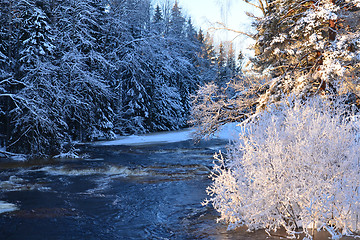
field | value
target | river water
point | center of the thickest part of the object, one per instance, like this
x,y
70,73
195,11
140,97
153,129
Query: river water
x,y
116,192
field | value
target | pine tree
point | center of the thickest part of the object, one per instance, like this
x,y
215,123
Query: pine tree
x,y
222,74
231,62
207,63
82,66
158,22
177,22
240,62
76,70
36,125
191,33
8,84
134,68
306,48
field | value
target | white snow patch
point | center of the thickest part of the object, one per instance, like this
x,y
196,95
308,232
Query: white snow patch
x,y
7,207
230,131
151,138
227,132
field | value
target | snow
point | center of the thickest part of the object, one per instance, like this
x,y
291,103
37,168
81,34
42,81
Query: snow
x,y
228,132
7,207
151,138
268,171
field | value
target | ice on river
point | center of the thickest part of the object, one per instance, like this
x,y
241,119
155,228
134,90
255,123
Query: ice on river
x,y
7,207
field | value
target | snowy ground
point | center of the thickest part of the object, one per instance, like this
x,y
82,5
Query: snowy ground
x,y
151,138
7,207
228,132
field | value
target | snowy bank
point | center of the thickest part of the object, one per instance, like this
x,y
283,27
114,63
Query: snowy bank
x,y
228,132
12,156
7,207
151,138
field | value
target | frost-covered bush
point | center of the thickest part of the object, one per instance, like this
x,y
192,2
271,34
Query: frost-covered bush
x,y
297,167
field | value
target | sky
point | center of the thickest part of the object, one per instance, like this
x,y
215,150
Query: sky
x,y
205,14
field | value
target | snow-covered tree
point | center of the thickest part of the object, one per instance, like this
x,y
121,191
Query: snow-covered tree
x,y
177,22
82,66
76,70
136,101
7,82
296,164
296,167
158,22
308,48
213,107
36,126
231,62
207,57
221,66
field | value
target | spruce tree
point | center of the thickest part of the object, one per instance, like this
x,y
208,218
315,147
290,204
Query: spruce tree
x,y
308,48
177,21
158,22
82,66
36,122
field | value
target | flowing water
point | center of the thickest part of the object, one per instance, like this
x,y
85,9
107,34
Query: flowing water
x,y
117,192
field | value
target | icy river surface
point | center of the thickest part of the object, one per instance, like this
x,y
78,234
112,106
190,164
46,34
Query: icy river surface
x,y
121,190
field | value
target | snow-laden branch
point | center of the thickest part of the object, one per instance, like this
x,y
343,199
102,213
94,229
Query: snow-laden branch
x,y
296,167
214,107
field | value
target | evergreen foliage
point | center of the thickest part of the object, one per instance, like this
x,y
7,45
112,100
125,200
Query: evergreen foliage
x,y
307,48
302,48
84,70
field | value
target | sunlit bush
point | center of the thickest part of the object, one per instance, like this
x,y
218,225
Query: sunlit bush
x,y
296,166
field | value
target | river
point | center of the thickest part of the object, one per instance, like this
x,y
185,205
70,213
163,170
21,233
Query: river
x,y
138,191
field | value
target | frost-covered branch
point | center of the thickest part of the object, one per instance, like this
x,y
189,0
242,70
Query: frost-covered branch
x,y
296,167
214,107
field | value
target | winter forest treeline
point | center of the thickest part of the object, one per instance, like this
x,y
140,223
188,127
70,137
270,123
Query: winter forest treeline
x,y
79,70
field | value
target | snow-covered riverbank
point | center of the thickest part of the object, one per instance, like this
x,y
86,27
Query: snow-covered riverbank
x,y
227,132
7,207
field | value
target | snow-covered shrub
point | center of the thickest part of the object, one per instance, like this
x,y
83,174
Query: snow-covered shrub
x,y
297,167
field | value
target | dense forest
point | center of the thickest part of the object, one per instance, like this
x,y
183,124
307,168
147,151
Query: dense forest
x,y
80,70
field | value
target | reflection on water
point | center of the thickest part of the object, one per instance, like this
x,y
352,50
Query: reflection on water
x,y
119,192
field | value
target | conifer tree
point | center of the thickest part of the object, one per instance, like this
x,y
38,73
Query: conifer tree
x,y
158,21
81,63
36,123
302,48
76,70
231,62
177,21
222,77
8,85
307,48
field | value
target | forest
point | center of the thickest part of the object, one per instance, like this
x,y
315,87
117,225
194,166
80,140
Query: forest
x,y
87,70
83,70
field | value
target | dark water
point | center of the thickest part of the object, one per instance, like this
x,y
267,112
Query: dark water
x,y
118,192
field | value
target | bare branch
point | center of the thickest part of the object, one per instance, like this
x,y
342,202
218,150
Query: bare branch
x,y
222,26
